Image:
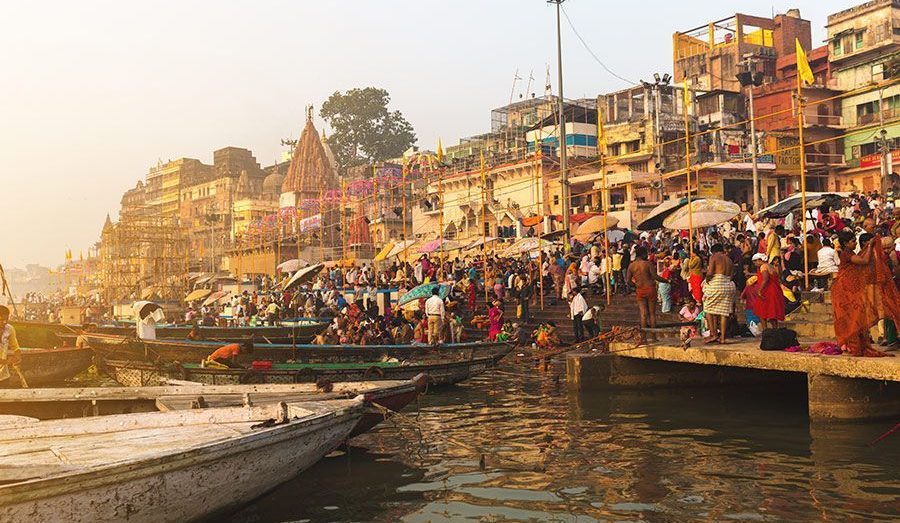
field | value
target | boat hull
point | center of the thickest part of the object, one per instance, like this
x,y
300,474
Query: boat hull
x,y
186,351
53,366
271,334
200,483
141,374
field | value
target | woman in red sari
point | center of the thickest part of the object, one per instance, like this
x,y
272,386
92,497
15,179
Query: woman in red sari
x,y
768,303
495,317
863,293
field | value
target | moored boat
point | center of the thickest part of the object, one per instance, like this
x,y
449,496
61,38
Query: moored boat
x,y
188,351
53,366
48,403
443,371
162,466
301,332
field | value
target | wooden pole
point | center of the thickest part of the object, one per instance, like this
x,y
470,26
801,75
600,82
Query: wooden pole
x,y
484,229
441,220
538,162
687,164
343,225
322,224
405,242
604,200
802,180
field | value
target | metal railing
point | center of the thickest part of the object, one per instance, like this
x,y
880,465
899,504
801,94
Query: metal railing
x,y
887,114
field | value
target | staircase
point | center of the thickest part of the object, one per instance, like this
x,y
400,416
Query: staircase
x,y
622,311
815,320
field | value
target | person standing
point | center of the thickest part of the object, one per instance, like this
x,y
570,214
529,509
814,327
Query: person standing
x,y
718,293
10,355
525,295
769,302
577,307
643,274
434,310
495,319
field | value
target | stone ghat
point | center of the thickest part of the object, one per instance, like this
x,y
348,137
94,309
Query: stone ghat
x,y
840,387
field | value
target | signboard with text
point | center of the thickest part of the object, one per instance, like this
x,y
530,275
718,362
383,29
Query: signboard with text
x,y
874,160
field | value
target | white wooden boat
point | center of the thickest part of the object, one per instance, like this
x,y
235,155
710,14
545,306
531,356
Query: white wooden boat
x,y
162,466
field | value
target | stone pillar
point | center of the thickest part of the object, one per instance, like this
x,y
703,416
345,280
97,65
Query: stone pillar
x,y
833,398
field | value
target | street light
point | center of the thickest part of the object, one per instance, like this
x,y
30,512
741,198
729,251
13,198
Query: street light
x,y
563,173
750,79
655,88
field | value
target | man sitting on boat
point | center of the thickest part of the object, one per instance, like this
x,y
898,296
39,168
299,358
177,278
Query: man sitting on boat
x,y
10,356
229,355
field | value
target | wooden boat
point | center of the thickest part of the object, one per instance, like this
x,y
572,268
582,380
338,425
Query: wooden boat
x,y
103,401
53,366
44,334
300,333
162,466
188,351
444,371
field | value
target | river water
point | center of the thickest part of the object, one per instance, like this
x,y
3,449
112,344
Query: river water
x,y
516,445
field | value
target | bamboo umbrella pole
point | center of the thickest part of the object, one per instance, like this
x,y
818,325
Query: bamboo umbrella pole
x,y
484,229
687,162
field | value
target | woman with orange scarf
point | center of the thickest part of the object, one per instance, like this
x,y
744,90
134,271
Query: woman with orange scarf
x,y
863,293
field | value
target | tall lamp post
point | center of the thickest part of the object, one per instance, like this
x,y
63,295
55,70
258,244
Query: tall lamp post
x,y
655,89
563,172
750,79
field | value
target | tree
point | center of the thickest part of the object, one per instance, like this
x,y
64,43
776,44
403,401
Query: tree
x,y
363,129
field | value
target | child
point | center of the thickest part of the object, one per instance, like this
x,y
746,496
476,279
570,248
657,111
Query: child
x,y
689,313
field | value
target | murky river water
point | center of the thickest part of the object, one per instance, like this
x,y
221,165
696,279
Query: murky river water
x,y
518,446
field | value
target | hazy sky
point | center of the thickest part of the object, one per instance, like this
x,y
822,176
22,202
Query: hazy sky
x,y
93,93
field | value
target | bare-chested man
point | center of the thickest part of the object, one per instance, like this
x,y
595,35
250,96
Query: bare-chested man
x,y
718,294
643,274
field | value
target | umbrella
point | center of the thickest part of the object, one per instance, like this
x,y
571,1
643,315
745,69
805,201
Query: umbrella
x,y
292,265
216,297
526,245
654,220
553,235
435,245
399,247
793,203
197,294
383,253
303,275
615,235
144,309
705,214
479,242
593,225
423,291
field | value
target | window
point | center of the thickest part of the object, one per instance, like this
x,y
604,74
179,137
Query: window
x,y
555,199
878,72
867,149
859,40
836,47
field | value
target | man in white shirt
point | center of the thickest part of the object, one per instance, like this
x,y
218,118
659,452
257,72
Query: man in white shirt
x,y
434,310
577,307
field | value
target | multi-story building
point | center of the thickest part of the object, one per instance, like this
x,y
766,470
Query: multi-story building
x,y
708,57
864,56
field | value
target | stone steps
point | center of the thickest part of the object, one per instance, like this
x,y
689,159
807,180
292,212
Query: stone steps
x,y
811,329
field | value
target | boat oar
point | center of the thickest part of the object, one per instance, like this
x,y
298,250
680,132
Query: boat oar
x,y
21,376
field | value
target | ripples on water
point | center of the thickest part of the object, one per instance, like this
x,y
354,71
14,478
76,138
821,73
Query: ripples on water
x,y
517,446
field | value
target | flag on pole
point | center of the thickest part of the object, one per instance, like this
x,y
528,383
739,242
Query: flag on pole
x,y
803,69
440,152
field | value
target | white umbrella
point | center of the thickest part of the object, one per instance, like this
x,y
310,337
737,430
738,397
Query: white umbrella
x,y
292,265
303,275
593,225
400,246
216,297
144,309
706,213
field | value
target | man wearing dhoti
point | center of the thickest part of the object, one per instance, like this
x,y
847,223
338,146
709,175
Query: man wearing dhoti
x,y
718,294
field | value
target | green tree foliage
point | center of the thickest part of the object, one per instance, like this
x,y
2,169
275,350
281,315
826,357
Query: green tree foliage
x,y
363,129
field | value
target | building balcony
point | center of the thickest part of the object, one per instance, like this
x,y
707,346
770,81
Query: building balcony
x,y
887,114
812,118
816,158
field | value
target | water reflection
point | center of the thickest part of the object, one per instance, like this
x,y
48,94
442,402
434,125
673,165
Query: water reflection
x,y
517,446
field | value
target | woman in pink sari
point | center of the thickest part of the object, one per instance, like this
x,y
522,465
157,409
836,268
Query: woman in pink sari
x,y
495,317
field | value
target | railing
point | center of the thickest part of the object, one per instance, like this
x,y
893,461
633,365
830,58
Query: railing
x,y
825,158
811,117
886,114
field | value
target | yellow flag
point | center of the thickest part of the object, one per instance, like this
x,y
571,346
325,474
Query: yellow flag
x,y
440,152
803,69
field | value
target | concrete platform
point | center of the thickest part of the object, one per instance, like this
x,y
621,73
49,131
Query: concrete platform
x,y
840,387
